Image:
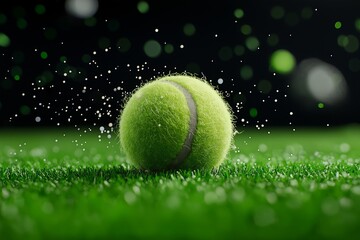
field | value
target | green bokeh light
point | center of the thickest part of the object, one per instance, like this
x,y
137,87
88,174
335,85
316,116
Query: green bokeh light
x,y
225,53
282,61
350,43
239,13
306,13
246,29
353,44
44,79
143,7
253,112
25,110
168,48
16,72
86,58
152,48
252,43
63,59
50,33
4,40
239,50
40,9
44,55
321,105
277,12
71,71
21,23
264,86
246,72
3,19
104,43
337,25
342,40
123,45
357,24
189,29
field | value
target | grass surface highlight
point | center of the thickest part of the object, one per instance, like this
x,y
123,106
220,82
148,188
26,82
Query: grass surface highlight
x,y
283,185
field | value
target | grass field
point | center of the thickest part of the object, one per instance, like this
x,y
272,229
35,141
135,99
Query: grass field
x,y
56,184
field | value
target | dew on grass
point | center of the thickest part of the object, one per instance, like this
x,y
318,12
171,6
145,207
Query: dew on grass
x,y
38,152
47,208
238,195
356,190
330,207
264,216
173,201
271,198
5,193
263,147
344,147
210,198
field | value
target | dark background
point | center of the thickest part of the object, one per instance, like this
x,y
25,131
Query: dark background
x,y
50,74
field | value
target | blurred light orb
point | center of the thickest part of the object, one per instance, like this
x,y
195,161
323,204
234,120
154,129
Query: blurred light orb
x,y
4,40
282,61
143,7
82,8
152,48
239,13
318,81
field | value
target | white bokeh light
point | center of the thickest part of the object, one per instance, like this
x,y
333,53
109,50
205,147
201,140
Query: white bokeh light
x,y
318,81
82,8
326,84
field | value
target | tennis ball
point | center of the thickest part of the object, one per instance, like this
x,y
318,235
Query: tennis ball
x,y
176,122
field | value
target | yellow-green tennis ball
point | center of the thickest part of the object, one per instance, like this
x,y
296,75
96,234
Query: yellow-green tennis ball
x,y
176,122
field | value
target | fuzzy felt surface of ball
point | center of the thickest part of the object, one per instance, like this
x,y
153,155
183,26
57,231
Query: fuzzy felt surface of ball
x,y
176,122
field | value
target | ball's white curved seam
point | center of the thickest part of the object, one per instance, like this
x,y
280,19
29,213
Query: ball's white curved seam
x,y
186,149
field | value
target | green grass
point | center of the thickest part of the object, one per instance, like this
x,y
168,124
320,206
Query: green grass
x,y
284,185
